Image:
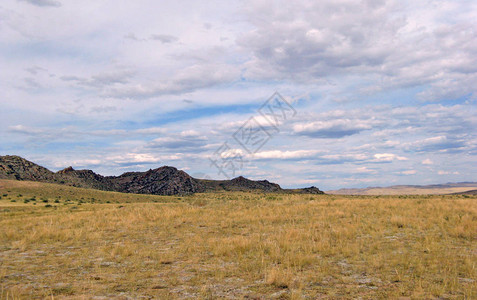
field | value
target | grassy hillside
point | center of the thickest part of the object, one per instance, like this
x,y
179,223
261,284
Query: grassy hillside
x,y
41,193
234,245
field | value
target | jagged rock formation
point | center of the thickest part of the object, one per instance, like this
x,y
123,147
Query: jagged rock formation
x,y
85,179
310,190
265,185
68,170
15,167
240,184
161,181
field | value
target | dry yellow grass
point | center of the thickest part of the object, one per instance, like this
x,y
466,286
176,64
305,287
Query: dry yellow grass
x,y
235,245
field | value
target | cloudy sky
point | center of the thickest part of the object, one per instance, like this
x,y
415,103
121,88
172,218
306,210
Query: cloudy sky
x,y
382,92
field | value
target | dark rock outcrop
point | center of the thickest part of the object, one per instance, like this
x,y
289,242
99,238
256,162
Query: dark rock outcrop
x,y
15,167
247,184
310,190
85,179
162,181
240,184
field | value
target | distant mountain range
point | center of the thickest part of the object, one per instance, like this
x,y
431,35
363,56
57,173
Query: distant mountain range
x,y
468,188
161,181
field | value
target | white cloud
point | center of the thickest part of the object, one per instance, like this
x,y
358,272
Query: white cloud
x,y
388,157
181,143
339,158
141,158
332,129
402,43
441,172
185,81
151,130
365,170
24,129
427,161
277,154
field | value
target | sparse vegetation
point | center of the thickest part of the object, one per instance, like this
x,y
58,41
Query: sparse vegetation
x,y
237,245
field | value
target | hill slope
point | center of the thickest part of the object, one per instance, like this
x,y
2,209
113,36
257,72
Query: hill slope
x,y
15,167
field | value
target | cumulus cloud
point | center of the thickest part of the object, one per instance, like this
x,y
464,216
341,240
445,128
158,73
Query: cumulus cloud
x,y
404,44
308,40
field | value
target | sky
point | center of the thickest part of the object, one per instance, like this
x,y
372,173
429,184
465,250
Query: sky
x,y
370,93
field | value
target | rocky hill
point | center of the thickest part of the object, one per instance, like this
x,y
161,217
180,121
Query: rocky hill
x,y
240,184
161,181
309,190
15,167
85,179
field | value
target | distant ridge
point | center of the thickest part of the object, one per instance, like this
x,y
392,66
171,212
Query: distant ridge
x,y
165,180
432,189
471,192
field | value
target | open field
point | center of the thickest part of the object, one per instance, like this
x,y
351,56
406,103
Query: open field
x,y
67,243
